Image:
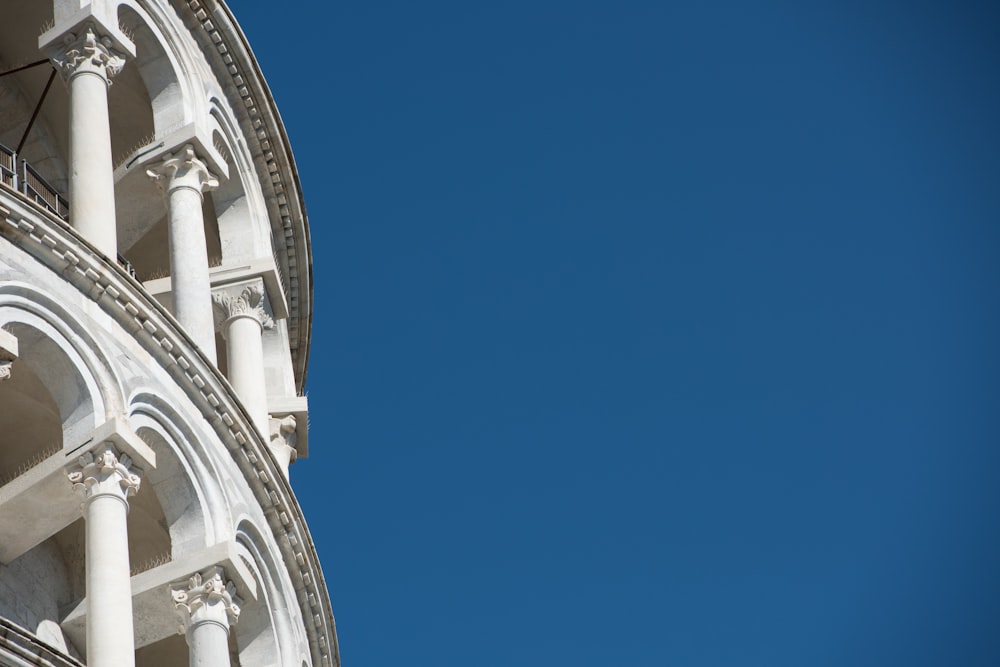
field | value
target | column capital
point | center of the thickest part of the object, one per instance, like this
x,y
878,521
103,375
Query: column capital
x,y
182,169
104,471
242,300
207,597
87,51
8,353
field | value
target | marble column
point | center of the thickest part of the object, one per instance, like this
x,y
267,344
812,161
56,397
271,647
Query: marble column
x,y
243,319
184,179
209,606
88,62
106,478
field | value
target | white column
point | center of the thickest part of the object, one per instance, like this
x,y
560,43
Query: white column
x,y
88,63
243,322
106,479
208,605
184,178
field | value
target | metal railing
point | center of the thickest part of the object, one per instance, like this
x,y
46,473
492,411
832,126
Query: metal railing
x,y
8,167
30,183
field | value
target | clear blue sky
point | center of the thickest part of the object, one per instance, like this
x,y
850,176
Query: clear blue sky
x,y
651,333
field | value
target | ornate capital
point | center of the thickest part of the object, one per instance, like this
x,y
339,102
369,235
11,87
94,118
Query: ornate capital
x,y
87,51
284,436
247,302
104,471
207,597
183,169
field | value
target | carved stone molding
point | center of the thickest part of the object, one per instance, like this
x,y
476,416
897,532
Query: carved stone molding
x,y
183,169
104,471
87,51
284,437
207,597
247,300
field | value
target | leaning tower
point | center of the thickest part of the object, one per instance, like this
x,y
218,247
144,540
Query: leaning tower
x,y
155,309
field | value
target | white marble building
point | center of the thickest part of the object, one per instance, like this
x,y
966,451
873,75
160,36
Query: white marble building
x,y
155,309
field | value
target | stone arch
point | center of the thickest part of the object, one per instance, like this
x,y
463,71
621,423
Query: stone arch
x,y
59,353
157,66
61,388
194,507
264,633
238,202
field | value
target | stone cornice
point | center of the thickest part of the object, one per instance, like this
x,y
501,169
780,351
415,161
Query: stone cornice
x,y
56,245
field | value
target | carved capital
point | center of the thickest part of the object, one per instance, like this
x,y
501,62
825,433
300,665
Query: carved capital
x,y
87,51
104,471
247,302
207,597
183,169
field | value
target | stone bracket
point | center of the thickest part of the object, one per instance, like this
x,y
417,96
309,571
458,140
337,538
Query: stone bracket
x,y
297,406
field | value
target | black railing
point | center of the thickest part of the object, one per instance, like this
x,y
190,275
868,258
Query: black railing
x,y
31,185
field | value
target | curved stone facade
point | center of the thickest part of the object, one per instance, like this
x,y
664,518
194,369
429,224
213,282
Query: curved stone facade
x,y
155,309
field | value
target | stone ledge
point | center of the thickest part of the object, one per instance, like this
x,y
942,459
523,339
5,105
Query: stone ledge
x,y
152,604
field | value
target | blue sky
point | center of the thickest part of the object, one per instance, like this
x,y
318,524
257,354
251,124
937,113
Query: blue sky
x,y
650,333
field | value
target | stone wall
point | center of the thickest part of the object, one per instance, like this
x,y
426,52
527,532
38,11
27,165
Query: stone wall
x,y
33,589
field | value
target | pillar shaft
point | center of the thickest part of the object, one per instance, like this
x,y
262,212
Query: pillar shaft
x,y
184,177
109,593
245,359
242,319
88,63
105,479
189,279
208,644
